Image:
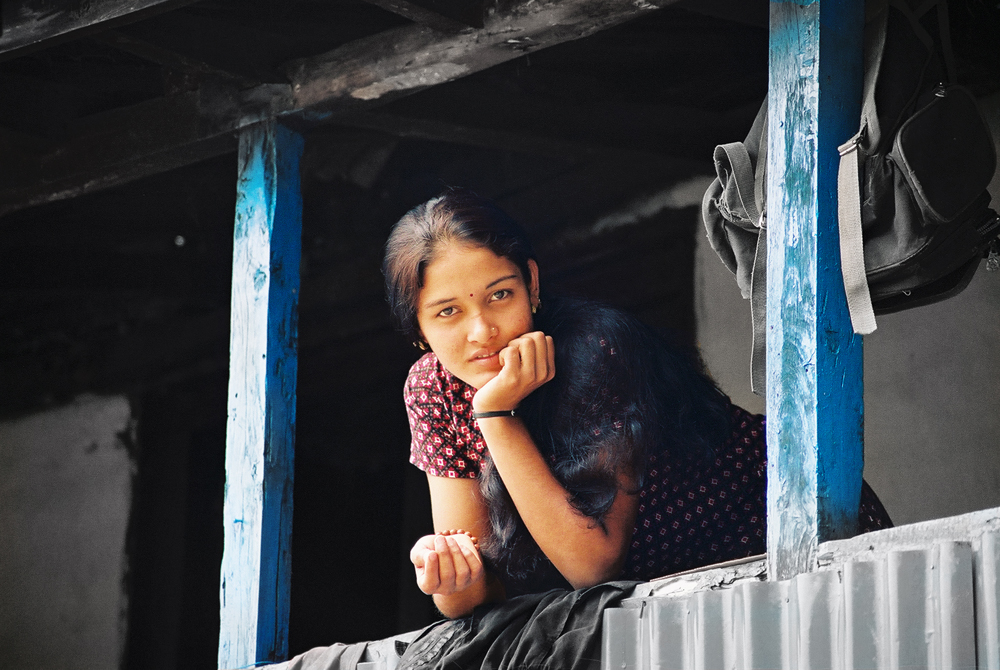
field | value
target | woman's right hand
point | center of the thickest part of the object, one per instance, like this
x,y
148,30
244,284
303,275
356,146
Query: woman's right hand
x,y
445,565
526,362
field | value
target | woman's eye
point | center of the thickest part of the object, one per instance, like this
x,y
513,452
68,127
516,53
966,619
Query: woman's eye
x,y
447,311
501,294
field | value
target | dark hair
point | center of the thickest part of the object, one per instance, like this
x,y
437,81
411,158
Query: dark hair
x,y
458,215
621,395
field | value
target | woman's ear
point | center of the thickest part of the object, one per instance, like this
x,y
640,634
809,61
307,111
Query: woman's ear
x,y
421,341
533,281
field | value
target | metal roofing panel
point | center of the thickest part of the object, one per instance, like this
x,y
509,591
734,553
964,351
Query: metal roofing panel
x,y
987,597
907,609
866,616
820,620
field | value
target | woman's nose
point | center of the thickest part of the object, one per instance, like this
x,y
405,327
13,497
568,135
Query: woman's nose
x,y
482,329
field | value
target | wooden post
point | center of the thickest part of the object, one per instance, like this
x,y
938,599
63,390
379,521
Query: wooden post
x,y
260,438
814,360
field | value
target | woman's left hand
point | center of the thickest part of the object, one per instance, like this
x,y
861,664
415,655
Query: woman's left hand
x,y
527,362
445,565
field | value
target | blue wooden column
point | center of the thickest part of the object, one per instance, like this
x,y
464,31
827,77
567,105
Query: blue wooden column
x,y
814,360
260,438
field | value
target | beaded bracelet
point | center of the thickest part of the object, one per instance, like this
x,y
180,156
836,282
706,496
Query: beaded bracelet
x,y
459,531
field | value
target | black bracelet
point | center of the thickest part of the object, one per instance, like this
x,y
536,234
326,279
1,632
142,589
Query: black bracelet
x,y
490,415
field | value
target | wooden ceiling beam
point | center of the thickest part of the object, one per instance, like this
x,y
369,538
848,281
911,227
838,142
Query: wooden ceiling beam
x,y
405,60
158,135
120,146
33,24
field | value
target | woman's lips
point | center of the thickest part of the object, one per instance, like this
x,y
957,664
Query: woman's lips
x,y
486,358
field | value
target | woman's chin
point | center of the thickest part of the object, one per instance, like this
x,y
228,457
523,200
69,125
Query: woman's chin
x,y
477,379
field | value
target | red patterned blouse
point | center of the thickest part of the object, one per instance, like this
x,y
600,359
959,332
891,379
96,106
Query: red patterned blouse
x,y
690,514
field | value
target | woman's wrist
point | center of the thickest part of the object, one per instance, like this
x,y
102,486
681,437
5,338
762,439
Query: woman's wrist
x,y
493,414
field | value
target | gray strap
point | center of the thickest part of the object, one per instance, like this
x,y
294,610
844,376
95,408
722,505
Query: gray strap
x,y
758,314
852,253
742,167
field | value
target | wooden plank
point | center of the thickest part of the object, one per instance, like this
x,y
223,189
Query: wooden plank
x,y
32,24
814,360
128,143
162,134
256,564
405,60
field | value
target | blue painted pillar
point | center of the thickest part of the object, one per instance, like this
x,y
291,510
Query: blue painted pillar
x,y
814,360
260,438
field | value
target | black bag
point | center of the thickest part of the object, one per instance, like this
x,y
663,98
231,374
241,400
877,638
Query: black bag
x,y
922,159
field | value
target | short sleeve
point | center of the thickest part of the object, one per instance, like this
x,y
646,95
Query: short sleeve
x,y
444,440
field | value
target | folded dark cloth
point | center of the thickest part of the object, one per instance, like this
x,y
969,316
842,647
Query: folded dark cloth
x,y
557,629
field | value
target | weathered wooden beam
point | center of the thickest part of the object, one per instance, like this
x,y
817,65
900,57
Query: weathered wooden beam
x,y
260,437
162,134
128,143
814,359
405,60
31,24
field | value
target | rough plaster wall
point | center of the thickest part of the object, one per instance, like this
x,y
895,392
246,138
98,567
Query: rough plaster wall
x,y
65,490
932,385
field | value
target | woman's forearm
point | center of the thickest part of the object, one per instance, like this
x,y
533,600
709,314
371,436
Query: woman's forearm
x,y
583,552
460,604
458,504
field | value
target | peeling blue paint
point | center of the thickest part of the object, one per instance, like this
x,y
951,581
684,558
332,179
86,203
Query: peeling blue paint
x,y
814,359
263,370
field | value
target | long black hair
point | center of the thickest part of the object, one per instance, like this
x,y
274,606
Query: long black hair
x,y
622,393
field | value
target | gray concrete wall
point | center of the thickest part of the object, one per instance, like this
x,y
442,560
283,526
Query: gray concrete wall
x,y
932,385
65,487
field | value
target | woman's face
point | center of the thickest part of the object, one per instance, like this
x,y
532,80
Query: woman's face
x,y
472,304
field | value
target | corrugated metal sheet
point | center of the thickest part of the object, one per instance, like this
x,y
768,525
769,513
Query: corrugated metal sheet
x,y
936,607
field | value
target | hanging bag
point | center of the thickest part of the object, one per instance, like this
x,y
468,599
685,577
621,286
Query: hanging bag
x,y
913,211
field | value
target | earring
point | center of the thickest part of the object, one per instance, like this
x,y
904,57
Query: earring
x,y
493,329
537,306
420,345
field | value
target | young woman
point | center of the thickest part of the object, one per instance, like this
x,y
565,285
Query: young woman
x,y
565,443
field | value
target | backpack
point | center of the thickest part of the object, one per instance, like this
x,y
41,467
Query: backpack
x,y
913,210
